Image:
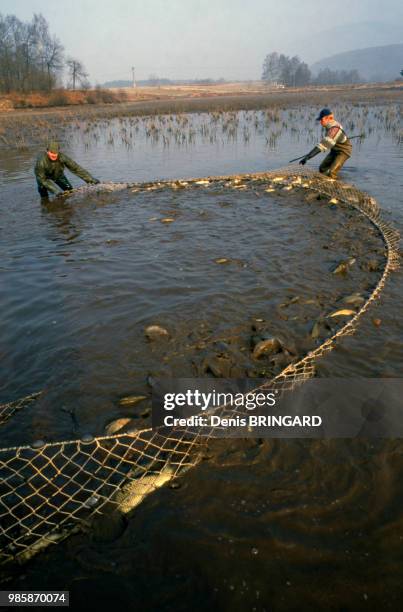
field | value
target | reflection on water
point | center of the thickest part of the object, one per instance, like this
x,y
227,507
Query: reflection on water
x,y
80,281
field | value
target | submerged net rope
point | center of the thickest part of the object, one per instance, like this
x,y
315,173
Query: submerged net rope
x,y
7,410
50,490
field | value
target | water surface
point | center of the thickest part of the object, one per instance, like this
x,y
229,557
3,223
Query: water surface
x,y
257,526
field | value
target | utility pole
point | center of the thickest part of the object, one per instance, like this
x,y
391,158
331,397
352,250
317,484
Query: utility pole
x,y
133,79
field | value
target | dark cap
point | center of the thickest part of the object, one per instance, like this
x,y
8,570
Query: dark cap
x,y
53,146
324,113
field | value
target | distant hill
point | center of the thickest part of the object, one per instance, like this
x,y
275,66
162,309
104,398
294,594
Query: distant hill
x,y
144,83
161,81
373,63
346,37
110,84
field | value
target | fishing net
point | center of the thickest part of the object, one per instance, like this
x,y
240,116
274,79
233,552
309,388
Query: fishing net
x,y
50,490
7,410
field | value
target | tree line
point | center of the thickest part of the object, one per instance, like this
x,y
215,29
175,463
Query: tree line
x,y
291,71
32,59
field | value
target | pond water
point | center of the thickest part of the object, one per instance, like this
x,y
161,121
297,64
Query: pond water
x,y
81,280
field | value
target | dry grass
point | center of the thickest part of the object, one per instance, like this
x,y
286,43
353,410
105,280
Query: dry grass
x,y
63,97
247,88
60,97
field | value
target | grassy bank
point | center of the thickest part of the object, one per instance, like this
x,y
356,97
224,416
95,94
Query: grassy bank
x,y
188,97
60,97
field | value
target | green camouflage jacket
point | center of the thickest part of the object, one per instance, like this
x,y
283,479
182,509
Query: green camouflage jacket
x,y
47,170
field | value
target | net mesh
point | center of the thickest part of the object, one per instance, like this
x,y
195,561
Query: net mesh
x,y
50,490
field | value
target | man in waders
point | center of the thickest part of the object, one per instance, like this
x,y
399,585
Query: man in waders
x,y
50,167
335,141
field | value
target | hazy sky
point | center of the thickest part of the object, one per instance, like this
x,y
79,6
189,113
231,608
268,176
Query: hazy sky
x,y
203,38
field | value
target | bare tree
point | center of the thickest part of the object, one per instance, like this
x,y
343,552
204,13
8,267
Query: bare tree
x,y
303,75
271,71
77,72
50,50
30,57
6,54
153,80
290,71
336,77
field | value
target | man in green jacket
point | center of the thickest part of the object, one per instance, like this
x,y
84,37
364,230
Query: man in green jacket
x,y
50,167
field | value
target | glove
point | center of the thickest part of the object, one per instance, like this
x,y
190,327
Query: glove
x,y
312,153
94,181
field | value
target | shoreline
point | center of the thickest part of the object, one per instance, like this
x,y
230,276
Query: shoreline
x,y
165,101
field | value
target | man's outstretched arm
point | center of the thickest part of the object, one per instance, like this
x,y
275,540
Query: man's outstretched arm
x,y
77,169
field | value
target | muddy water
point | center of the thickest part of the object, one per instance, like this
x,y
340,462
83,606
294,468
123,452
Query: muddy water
x,y
213,265
258,525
